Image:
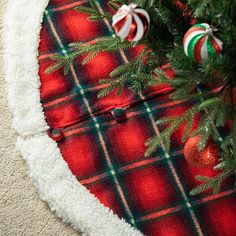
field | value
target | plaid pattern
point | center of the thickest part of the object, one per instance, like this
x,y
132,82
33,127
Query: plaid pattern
x,y
108,158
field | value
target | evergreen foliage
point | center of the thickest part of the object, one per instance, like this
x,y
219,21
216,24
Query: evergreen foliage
x,y
170,19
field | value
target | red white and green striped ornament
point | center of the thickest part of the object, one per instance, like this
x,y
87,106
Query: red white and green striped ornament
x,y
200,43
131,22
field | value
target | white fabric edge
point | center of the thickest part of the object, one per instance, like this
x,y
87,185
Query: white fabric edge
x,y
21,29
70,200
56,185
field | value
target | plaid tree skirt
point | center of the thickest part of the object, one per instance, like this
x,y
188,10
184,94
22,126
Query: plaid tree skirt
x,y
107,156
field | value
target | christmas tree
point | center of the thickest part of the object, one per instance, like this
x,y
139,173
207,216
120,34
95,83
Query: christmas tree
x,y
194,39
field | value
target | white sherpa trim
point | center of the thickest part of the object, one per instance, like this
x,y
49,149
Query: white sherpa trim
x,y
64,194
55,183
22,24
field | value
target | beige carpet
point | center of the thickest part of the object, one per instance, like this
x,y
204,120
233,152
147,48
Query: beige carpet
x,y
21,210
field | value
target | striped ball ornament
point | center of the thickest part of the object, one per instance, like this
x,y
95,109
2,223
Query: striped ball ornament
x,y
131,22
200,43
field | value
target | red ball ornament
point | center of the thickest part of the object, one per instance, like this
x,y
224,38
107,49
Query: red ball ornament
x,y
208,157
131,22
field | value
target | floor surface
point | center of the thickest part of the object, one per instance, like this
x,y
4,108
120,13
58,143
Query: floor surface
x,y
21,210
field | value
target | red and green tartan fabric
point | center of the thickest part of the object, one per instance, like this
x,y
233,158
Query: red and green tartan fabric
x,y
107,157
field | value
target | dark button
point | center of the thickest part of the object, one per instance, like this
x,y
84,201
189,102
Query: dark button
x,y
119,114
56,134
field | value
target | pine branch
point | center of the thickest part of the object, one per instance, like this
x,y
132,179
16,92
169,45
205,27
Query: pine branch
x,y
115,4
93,12
228,167
118,84
163,43
174,123
213,183
89,57
132,75
103,44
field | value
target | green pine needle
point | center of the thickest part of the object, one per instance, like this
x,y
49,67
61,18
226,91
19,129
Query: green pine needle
x,y
193,81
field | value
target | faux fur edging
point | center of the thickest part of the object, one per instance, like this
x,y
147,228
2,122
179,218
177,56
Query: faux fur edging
x,y
22,25
56,185
71,201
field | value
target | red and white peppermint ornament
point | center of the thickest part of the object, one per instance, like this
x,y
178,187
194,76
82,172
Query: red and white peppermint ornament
x,y
131,22
200,43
